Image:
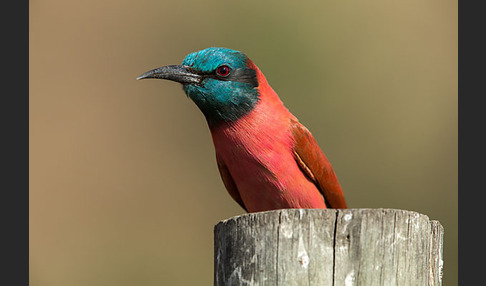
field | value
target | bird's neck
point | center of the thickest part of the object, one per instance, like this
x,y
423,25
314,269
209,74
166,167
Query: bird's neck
x,y
268,114
266,92
267,100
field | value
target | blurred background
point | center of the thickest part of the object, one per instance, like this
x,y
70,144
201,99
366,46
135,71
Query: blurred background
x,y
124,187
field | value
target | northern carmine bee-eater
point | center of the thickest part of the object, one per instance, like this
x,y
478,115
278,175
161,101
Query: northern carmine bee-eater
x,y
266,157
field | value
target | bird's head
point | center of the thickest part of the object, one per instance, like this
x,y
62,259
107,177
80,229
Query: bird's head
x,y
222,82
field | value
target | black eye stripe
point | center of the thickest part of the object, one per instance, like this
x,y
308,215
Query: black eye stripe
x,y
240,75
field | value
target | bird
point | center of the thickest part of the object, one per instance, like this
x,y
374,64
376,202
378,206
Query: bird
x,y
267,159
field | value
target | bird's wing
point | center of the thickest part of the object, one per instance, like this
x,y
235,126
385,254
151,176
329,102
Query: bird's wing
x,y
316,166
229,183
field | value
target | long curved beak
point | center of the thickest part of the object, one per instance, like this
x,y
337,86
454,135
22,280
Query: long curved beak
x,y
179,73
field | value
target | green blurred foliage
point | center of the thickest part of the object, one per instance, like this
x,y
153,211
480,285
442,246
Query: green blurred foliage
x,y
124,188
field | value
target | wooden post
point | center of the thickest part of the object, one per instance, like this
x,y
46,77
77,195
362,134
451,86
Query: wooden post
x,y
328,247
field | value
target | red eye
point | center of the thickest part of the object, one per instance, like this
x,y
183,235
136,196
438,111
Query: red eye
x,y
223,71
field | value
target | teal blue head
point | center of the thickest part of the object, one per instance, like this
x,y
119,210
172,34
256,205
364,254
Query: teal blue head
x,y
221,82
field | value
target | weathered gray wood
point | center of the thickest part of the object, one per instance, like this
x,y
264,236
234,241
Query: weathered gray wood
x,y
328,247
436,262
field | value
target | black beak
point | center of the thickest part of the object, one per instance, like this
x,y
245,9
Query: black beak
x,y
182,74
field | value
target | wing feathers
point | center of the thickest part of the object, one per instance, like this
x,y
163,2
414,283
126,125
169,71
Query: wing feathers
x,y
316,166
229,183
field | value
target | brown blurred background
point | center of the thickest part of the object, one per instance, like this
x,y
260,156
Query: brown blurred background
x,y
124,188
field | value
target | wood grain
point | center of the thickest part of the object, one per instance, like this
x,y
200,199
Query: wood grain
x,y
328,247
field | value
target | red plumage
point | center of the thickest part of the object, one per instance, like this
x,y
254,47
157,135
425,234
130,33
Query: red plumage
x,y
268,160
